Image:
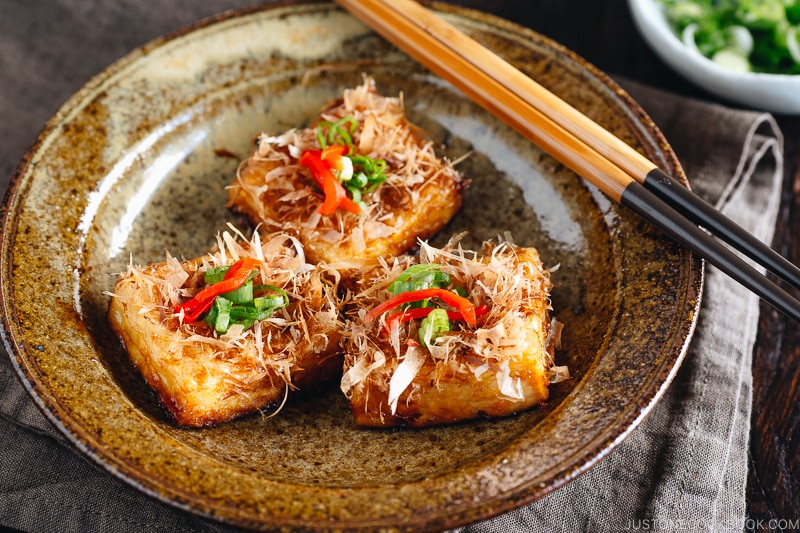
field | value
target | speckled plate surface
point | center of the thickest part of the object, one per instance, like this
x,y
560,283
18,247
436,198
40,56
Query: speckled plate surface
x,y
136,164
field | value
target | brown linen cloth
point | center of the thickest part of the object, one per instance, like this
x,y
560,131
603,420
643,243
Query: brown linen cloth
x,y
684,466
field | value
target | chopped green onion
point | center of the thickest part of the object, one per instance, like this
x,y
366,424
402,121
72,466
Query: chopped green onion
x,y
241,313
372,172
759,30
420,276
740,39
245,305
793,42
359,174
269,302
762,14
417,277
241,295
432,325
219,316
339,132
215,274
461,291
793,11
360,180
355,193
731,60
260,289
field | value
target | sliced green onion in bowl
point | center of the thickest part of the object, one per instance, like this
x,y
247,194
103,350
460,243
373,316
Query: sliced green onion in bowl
x,y
732,60
793,43
763,32
687,36
740,39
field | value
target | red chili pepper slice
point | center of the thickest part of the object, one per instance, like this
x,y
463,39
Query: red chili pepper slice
x,y
422,312
236,276
333,155
463,305
335,194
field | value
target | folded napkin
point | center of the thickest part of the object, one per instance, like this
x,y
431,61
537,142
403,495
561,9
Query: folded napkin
x,y
685,467
686,463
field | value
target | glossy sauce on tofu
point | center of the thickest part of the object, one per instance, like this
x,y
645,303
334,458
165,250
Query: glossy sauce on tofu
x,y
421,193
335,267
501,366
203,378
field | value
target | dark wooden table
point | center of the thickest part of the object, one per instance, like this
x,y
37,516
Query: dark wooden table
x,y
603,33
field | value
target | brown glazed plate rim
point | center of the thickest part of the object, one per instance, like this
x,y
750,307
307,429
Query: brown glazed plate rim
x,y
630,313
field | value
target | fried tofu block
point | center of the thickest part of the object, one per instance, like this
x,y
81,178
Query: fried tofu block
x,y
421,193
502,365
204,378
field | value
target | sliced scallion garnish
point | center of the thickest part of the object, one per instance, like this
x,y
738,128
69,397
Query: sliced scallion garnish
x,y
215,274
241,295
245,305
339,132
420,276
432,325
219,316
357,174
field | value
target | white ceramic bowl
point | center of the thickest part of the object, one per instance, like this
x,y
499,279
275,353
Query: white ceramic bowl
x,y
770,92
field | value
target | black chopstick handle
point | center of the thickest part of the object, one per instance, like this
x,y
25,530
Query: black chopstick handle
x,y
701,213
650,207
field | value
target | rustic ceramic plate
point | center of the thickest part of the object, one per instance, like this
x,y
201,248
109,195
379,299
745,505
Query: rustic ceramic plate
x,y
136,163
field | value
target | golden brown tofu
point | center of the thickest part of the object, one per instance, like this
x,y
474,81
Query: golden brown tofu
x,y
503,364
419,196
204,377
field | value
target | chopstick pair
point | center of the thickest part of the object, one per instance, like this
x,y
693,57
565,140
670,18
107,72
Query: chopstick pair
x,y
578,142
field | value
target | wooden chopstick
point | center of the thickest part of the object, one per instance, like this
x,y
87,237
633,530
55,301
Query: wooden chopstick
x,y
578,142
598,138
